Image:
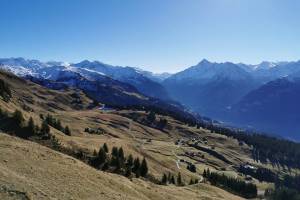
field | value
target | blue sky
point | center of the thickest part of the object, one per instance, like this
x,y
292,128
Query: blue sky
x,y
157,35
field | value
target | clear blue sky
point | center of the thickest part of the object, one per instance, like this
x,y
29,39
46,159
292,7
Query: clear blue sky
x,y
157,35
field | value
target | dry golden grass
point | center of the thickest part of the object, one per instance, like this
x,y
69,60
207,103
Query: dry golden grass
x,y
31,171
44,174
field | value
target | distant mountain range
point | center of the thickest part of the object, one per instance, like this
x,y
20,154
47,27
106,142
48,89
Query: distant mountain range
x,y
262,96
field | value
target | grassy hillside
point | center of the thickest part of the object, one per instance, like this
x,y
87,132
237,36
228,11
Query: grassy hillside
x,y
32,171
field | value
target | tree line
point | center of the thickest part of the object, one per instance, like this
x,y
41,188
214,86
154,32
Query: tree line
x,y
239,187
261,174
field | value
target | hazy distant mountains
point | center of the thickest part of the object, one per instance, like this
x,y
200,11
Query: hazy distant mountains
x,y
209,88
263,96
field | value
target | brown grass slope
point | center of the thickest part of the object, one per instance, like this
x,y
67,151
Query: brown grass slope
x,y
61,177
31,171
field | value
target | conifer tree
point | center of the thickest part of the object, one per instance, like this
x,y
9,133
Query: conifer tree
x,y
105,147
128,171
31,127
115,152
67,131
45,129
129,162
136,165
164,179
173,180
144,168
18,118
204,173
101,156
179,180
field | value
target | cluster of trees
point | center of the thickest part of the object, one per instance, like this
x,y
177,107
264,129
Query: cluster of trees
x,y
55,123
191,167
97,131
247,190
16,124
5,91
118,163
261,174
151,120
170,179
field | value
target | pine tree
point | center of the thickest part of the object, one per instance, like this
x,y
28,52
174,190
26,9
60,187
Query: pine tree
x,y
136,165
128,171
105,147
31,127
121,157
179,180
173,180
101,156
129,162
18,118
204,173
115,152
67,131
45,129
164,179
144,168
58,125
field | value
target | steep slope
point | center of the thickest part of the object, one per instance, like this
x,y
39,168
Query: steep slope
x,y
30,171
209,88
50,174
272,108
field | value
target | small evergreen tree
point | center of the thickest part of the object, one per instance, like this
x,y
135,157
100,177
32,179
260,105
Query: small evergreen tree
x,y
45,129
144,168
164,179
128,171
179,180
67,131
115,152
136,165
18,118
172,180
204,173
121,157
31,127
101,156
105,147
129,162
